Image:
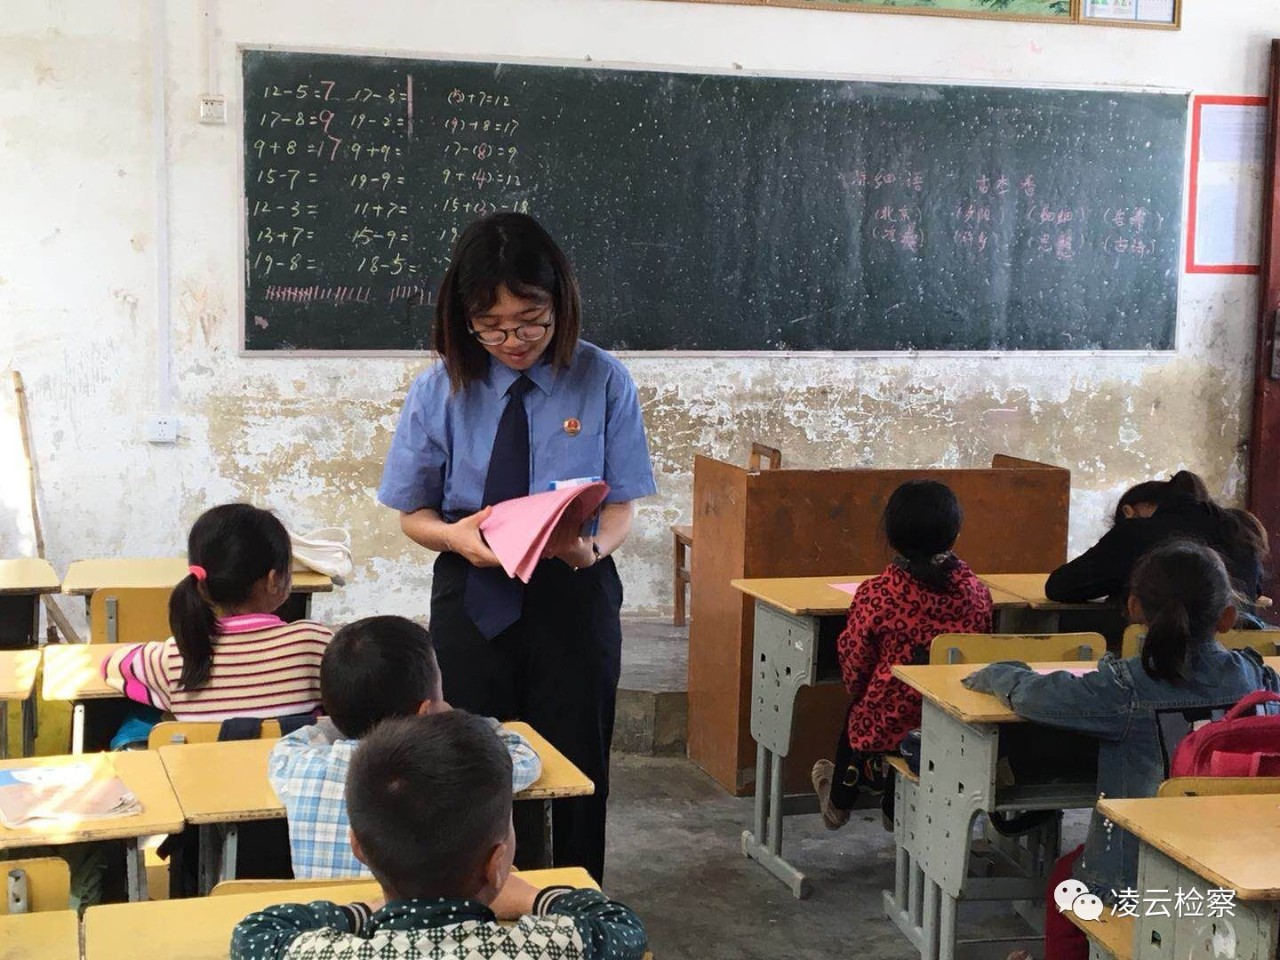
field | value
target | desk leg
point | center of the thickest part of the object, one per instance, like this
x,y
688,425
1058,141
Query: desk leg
x,y
764,844
230,851
206,864
548,840
136,867
77,727
30,724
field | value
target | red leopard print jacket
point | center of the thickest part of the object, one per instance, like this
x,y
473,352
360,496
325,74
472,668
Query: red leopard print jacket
x,y
892,620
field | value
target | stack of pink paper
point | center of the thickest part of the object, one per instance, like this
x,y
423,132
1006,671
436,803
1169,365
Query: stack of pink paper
x,y
519,530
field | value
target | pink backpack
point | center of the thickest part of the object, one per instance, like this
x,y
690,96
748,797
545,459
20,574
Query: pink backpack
x,y
1241,744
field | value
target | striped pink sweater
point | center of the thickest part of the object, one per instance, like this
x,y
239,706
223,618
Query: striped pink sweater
x,y
262,667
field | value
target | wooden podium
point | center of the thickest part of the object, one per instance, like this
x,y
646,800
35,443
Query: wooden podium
x,y
802,523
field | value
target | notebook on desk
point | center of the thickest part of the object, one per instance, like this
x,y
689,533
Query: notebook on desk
x,y
32,796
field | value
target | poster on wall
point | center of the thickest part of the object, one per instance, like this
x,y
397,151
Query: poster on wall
x,y
1147,13
1228,158
1050,11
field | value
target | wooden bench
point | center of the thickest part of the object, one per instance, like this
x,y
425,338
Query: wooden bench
x,y
680,584
1110,938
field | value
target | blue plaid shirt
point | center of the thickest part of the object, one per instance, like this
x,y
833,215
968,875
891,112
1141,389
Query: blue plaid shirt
x,y
308,771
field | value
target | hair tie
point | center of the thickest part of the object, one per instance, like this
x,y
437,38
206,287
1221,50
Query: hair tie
x,y
200,573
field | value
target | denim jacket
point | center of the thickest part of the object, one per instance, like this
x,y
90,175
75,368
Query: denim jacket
x,y
1138,721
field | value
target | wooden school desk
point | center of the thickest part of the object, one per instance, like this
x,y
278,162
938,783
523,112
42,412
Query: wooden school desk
x,y
958,780
1042,615
199,928
84,577
797,622
22,582
18,670
1204,843
221,785
144,775
73,671
54,935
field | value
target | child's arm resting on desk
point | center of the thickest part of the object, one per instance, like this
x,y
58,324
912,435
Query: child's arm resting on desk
x,y
608,929
270,933
1097,703
526,765
138,672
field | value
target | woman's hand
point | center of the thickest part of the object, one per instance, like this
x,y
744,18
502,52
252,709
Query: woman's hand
x,y
463,537
566,545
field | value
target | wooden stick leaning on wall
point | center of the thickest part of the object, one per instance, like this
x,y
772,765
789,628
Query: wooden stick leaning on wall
x,y
69,634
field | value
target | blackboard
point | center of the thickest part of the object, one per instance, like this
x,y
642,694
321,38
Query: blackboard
x,y
713,212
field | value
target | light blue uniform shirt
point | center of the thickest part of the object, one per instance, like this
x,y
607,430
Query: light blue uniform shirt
x,y
440,453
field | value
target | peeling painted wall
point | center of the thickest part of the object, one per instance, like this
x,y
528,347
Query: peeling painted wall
x,y
78,284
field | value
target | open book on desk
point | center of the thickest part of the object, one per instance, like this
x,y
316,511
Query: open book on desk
x,y
519,530
30,796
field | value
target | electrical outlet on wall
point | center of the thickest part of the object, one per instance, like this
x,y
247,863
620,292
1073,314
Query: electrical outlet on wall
x,y
213,108
162,428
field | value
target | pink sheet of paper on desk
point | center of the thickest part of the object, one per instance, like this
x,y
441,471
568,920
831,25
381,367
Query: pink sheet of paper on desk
x,y
849,588
519,530
1074,671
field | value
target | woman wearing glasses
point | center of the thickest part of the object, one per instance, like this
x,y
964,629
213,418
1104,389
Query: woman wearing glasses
x,y
516,404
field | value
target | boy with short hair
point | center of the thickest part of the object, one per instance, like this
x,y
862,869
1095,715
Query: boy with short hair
x,y
372,670
430,804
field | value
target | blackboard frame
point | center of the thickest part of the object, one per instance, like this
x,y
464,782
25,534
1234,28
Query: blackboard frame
x,y
735,70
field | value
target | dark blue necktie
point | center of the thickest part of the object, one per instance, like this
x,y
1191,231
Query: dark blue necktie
x,y
492,599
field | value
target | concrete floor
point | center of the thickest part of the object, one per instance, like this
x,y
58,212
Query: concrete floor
x,y
675,857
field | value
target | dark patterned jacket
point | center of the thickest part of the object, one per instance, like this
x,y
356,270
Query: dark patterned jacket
x,y
566,924
892,621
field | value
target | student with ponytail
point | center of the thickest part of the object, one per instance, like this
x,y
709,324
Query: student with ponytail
x,y
893,618
1139,709
230,655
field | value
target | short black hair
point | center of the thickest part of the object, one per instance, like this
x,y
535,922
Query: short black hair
x,y
921,522
509,250
377,668
428,797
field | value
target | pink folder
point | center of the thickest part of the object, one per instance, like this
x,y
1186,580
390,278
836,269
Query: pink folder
x,y
518,530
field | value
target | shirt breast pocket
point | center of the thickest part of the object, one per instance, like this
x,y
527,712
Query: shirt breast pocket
x,y
568,456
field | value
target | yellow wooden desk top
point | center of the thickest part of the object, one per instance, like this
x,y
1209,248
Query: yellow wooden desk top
x,y
140,770
28,575
560,778
86,576
1030,587
222,782
815,597
1237,852
199,928
54,935
940,684
227,782
18,673
73,671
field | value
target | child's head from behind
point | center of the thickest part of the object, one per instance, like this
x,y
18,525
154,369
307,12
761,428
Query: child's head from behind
x,y
922,519
429,800
1181,591
240,558
377,668
921,522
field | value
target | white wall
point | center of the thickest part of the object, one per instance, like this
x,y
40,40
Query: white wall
x,y
78,282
